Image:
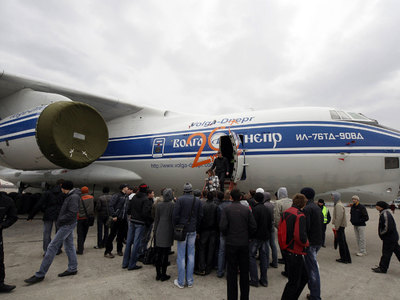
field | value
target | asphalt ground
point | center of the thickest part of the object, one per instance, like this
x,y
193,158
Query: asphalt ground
x,y
103,278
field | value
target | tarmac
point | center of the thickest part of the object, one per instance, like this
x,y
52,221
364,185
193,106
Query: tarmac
x,y
103,278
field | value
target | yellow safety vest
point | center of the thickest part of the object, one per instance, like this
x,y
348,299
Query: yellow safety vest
x,y
325,213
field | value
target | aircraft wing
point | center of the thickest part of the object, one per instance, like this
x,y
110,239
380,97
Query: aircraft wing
x,y
109,108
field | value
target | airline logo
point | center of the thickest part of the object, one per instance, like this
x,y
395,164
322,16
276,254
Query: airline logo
x,y
222,122
273,139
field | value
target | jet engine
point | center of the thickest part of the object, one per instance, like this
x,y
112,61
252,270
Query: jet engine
x,y
64,134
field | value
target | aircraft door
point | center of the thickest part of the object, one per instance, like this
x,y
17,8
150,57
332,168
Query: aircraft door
x,y
232,148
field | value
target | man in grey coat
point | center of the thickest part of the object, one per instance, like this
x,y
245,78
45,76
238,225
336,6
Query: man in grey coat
x,y
164,233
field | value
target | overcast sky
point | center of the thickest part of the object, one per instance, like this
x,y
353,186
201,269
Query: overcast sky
x,y
213,56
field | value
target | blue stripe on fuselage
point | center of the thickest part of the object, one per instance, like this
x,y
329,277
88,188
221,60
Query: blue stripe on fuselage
x,y
286,135
14,128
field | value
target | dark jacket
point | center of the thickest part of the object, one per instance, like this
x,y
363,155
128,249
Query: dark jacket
x,y
270,208
358,215
209,221
50,203
70,208
221,164
387,226
314,219
117,206
221,207
263,219
101,205
140,209
237,224
182,209
8,212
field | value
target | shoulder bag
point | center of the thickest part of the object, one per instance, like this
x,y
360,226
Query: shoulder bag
x,y
179,229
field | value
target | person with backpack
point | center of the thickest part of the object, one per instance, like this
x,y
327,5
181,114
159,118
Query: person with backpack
x,y
292,237
358,217
327,218
85,218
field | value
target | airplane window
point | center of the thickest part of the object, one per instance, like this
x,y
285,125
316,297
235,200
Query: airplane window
x,y
334,115
358,116
343,115
391,163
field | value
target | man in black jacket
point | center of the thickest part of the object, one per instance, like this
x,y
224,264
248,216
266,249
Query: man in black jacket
x,y
388,233
221,166
101,206
314,219
237,225
358,217
117,207
140,216
66,223
208,235
50,203
188,210
8,216
259,241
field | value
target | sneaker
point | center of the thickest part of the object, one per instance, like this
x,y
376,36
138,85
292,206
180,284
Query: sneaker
x,y
176,283
33,279
361,253
190,285
220,275
120,253
109,255
67,273
6,288
273,266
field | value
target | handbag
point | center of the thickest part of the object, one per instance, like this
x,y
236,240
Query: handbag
x,y
150,254
90,219
179,229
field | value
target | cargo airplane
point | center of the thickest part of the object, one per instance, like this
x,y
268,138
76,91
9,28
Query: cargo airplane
x,y
49,132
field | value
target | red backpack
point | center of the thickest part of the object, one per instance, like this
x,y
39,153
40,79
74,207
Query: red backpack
x,y
292,243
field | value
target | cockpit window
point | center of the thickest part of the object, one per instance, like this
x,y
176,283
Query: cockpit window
x,y
356,116
343,115
334,115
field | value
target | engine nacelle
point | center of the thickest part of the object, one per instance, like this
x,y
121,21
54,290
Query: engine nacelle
x,y
63,134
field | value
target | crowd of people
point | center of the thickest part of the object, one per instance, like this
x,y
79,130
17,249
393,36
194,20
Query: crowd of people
x,y
226,231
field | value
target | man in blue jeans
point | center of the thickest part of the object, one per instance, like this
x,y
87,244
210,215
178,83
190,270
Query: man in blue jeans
x,y
66,223
140,216
314,219
188,210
